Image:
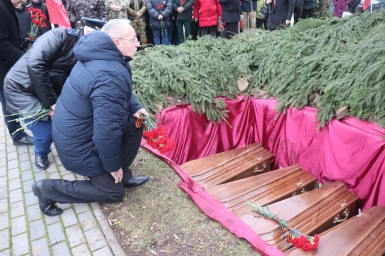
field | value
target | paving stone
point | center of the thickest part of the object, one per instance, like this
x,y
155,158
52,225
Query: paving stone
x,y
33,212
79,177
25,166
79,208
13,164
69,217
75,235
15,196
3,182
3,169
4,221
60,249
3,192
12,155
36,229
103,252
4,239
18,225
64,206
40,247
27,186
3,161
10,148
17,209
23,150
13,173
52,167
51,220
54,175
95,239
87,220
3,205
6,252
81,250
20,244
55,233
40,175
27,175
14,184
69,176
30,198
23,157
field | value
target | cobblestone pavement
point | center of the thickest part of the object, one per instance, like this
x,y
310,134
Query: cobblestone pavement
x,y
82,229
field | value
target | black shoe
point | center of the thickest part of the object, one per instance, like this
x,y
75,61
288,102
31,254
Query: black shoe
x,y
47,206
135,181
25,141
41,162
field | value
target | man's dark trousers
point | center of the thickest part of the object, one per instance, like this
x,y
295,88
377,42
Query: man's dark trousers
x,y
9,121
99,188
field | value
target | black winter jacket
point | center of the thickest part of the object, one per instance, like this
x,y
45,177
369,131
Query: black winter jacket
x,y
38,77
24,18
154,12
283,11
10,43
231,10
94,108
187,6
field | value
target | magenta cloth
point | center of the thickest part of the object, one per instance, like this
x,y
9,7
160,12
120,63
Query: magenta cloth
x,y
350,150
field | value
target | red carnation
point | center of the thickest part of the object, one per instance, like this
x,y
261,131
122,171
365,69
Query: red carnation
x,y
182,2
160,6
43,17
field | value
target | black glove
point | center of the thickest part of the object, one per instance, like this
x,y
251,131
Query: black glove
x,y
26,43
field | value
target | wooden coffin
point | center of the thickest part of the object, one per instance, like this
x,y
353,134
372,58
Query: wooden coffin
x,y
263,189
311,213
229,165
361,235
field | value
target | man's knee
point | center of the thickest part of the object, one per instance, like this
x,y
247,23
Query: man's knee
x,y
117,196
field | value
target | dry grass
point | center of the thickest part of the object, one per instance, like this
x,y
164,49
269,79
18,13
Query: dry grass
x,y
158,218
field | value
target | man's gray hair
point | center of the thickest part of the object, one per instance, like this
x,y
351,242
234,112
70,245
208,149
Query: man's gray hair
x,y
115,27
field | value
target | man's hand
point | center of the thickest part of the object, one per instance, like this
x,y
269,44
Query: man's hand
x,y
269,1
53,107
118,175
180,9
140,112
287,22
160,17
241,17
138,15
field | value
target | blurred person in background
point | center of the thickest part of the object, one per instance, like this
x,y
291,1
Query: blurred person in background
x,y
207,13
280,13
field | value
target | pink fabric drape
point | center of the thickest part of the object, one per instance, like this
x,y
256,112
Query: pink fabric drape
x,y
350,150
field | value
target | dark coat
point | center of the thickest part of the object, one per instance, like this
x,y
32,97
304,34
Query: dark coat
x,y
246,5
24,18
43,8
37,79
154,12
207,11
187,6
10,43
94,108
231,11
283,11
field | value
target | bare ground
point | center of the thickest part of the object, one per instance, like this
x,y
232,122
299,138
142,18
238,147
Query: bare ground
x,y
158,218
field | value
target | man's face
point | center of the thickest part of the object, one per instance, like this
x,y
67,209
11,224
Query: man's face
x,y
127,43
16,3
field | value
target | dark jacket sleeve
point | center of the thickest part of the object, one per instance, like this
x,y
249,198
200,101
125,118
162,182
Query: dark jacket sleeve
x,y
167,11
42,55
8,52
151,10
188,5
290,10
110,103
135,105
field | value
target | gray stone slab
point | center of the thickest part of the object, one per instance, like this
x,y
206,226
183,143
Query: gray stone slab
x,y
36,229
54,175
20,244
13,173
52,167
79,208
81,250
4,239
30,198
40,247
3,192
69,218
26,175
51,220
27,186
13,164
95,239
3,169
26,166
3,163
4,221
12,156
23,157
3,182
33,212
22,150
6,252
55,233
64,206
40,175
60,249
87,220
18,225
75,235
15,196
14,184
3,205
69,176
103,252
17,209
